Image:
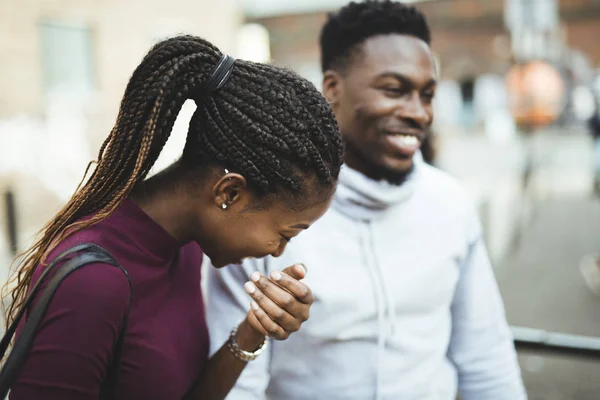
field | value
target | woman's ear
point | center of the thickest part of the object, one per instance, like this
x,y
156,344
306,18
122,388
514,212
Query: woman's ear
x,y
230,190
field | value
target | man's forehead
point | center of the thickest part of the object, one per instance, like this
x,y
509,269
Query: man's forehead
x,y
395,52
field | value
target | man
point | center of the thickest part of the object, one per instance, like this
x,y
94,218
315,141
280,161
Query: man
x,y
406,304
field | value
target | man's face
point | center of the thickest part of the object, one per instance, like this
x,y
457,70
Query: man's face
x,y
383,104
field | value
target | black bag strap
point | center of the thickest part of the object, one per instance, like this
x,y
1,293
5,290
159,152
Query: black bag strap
x,y
5,342
86,254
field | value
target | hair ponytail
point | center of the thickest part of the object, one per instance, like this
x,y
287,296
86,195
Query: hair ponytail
x,y
267,123
143,126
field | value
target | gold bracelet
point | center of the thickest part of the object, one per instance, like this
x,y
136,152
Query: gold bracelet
x,y
240,354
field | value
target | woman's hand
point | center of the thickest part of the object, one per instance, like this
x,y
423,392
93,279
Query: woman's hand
x,y
280,305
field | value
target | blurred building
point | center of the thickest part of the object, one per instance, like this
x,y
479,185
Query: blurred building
x,y
470,38
64,67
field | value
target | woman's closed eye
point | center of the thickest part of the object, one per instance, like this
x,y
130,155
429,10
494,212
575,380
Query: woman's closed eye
x,y
287,239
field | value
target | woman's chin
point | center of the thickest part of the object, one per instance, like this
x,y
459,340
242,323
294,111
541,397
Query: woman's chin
x,y
224,263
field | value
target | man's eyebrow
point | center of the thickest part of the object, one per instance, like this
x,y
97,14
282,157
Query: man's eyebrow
x,y
404,79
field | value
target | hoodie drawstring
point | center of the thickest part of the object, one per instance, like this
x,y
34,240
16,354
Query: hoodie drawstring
x,y
383,300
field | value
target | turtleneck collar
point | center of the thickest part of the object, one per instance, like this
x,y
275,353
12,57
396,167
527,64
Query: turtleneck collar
x,y
144,231
363,198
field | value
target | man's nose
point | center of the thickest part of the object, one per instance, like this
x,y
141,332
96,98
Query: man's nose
x,y
415,110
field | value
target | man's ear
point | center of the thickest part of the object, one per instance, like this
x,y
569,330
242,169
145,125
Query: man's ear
x,y
332,86
229,190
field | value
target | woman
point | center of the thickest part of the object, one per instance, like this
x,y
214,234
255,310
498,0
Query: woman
x,y
260,165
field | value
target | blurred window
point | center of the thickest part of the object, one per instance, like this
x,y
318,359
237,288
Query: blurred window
x,y
253,43
67,58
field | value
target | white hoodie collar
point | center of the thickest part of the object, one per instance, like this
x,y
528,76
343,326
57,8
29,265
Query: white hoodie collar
x,y
363,198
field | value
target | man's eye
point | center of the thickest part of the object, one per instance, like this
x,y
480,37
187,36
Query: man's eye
x,y
395,90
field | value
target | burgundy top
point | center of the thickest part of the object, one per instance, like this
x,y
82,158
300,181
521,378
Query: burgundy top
x,y
166,345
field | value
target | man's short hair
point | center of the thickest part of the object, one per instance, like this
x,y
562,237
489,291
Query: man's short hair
x,y
357,22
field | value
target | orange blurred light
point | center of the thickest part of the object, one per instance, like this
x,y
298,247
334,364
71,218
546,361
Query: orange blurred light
x,y
536,93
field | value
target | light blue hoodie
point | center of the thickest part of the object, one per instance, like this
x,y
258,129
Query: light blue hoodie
x,y
406,303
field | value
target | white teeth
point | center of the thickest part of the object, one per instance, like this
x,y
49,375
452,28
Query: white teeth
x,y
408,140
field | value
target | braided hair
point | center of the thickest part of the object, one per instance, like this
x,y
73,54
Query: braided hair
x,y
356,22
267,123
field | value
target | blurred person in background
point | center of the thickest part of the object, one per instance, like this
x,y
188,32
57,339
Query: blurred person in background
x,y
590,263
406,302
260,165
594,128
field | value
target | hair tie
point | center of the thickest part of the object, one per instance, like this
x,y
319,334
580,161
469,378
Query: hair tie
x,y
220,75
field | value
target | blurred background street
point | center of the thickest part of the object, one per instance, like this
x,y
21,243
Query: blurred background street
x,y
540,279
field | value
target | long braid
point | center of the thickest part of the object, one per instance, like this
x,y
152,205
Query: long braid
x,y
266,123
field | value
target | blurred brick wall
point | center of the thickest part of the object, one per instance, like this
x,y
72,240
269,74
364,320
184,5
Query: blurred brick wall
x,y
468,36
122,31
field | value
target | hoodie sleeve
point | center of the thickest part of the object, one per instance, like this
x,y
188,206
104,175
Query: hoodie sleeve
x,y
227,305
481,345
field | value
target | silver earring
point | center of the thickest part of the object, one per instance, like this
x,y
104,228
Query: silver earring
x,y
223,206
